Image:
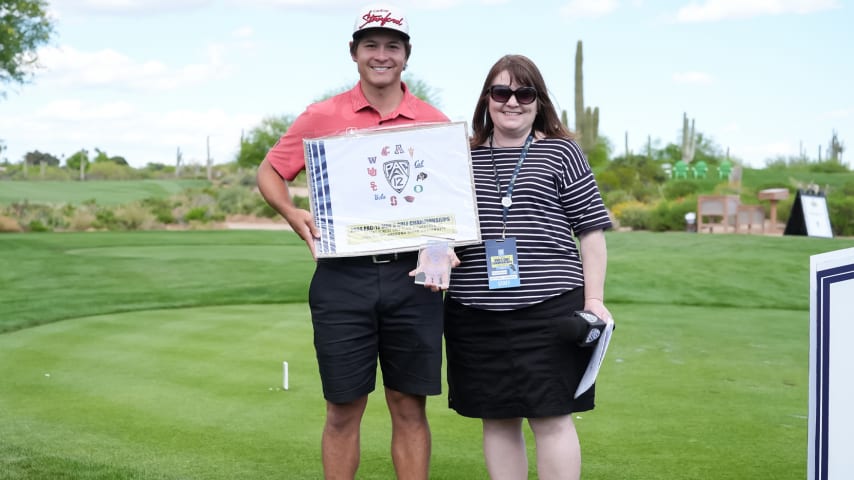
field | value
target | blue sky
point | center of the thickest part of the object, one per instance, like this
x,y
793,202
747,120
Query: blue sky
x,y
142,78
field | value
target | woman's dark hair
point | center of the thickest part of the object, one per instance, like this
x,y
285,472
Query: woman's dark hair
x,y
526,74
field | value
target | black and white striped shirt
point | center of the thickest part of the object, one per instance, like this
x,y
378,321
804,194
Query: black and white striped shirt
x,y
555,198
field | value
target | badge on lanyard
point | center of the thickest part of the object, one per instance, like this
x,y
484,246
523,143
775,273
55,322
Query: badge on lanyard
x,y
501,263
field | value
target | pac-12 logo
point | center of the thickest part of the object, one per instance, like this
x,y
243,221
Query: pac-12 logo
x,y
396,174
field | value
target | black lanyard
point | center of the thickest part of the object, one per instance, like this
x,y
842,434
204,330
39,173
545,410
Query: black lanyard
x,y
507,198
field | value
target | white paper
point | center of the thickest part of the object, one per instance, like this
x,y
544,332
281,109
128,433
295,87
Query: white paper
x,y
596,359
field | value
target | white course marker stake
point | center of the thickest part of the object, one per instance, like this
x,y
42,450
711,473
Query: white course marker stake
x,y
285,380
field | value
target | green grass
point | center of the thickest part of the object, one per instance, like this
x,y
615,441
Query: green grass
x,y
104,192
50,277
789,177
158,355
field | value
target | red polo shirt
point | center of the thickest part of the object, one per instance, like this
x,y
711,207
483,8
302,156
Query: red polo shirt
x,y
347,111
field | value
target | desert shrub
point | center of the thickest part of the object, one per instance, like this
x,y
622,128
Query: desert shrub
x,y
680,189
194,205
632,214
841,213
236,200
112,171
616,197
39,218
198,214
264,210
81,219
161,208
105,218
9,224
669,215
135,217
51,173
243,177
37,226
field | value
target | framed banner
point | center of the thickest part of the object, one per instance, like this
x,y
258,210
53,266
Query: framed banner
x,y
391,189
830,431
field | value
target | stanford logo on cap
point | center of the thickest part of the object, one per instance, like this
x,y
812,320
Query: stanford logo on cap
x,y
380,17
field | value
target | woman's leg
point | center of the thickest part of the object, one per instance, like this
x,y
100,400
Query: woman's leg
x,y
558,450
504,449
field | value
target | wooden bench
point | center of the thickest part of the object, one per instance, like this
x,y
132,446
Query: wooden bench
x,y
723,208
753,216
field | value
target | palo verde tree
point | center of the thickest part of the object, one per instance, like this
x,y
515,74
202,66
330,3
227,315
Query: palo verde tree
x,y
37,158
254,146
24,26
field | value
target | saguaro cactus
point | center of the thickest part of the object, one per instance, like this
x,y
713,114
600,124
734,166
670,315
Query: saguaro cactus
x,y
586,119
179,162
689,141
834,151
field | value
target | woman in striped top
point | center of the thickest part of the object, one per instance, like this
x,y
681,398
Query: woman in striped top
x,y
508,306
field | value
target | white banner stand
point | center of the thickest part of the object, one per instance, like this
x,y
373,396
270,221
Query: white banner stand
x,y
831,391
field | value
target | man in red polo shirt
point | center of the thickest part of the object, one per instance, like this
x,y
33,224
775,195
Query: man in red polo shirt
x,y
366,308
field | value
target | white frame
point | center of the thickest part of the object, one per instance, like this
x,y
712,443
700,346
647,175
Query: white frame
x,y
391,189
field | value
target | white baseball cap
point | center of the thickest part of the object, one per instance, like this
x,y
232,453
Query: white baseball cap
x,y
381,16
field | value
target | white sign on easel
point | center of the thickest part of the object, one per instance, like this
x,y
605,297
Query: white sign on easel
x,y
816,217
809,216
831,393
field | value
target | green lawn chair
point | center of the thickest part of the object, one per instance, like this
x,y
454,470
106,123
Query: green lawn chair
x,y
680,169
700,169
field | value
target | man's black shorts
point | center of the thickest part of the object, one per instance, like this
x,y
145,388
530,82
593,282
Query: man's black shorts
x,y
361,311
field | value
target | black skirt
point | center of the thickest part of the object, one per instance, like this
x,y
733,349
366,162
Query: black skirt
x,y
513,364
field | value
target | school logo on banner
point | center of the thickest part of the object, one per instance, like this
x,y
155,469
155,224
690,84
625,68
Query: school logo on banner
x,y
397,174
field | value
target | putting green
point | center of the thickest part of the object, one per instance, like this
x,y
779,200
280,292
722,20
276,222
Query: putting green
x,y
188,393
197,393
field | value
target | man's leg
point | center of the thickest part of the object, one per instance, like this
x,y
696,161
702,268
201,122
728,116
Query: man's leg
x,y
558,450
340,443
410,435
504,449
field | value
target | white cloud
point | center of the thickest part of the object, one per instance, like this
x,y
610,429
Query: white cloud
x,y
68,66
588,8
243,32
731,128
716,10
692,78
76,110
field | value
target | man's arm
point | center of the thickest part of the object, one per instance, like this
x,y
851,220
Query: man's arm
x,y
275,191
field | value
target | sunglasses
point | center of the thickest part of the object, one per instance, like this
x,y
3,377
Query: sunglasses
x,y
502,94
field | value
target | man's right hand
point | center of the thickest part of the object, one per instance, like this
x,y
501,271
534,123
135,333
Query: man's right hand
x,y
275,191
302,222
